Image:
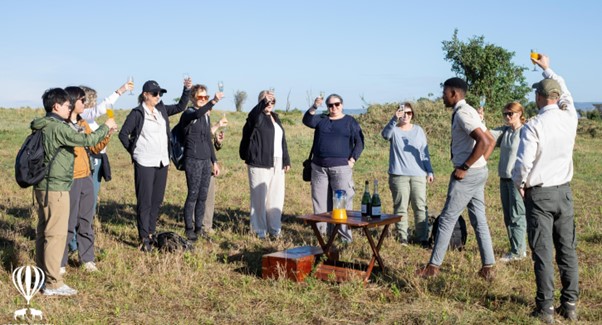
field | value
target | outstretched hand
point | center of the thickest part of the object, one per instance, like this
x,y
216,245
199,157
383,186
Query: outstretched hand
x,y
543,61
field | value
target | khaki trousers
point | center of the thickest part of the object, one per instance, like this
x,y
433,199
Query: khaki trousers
x,y
51,234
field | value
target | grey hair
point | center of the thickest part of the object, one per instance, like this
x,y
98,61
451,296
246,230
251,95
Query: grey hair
x,y
335,96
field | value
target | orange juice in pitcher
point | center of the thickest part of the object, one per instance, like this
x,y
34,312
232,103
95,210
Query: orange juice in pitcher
x,y
339,205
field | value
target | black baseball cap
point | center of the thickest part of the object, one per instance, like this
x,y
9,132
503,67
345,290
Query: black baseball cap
x,y
152,86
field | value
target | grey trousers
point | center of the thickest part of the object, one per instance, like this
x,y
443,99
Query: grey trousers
x,y
466,193
406,190
514,216
81,215
551,225
325,180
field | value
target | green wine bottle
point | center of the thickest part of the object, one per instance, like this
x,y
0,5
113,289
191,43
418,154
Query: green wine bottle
x,y
375,202
366,201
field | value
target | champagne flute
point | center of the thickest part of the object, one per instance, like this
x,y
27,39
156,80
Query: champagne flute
x,y
226,126
131,83
482,101
110,111
534,56
220,86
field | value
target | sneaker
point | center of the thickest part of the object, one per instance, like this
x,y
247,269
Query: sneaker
x,y
568,310
511,257
487,272
64,290
430,271
62,271
403,242
90,267
545,315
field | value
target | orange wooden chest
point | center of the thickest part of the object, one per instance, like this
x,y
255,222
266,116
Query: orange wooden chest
x,y
294,264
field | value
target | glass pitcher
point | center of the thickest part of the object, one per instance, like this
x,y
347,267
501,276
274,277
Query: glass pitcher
x,y
339,205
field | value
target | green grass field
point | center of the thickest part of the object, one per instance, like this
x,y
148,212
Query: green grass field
x,y
220,281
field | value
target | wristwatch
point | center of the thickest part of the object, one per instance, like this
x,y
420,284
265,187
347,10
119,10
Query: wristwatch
x,y
464,167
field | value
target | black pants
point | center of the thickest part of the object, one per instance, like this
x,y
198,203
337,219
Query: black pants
x,y
150,188
551,226
198,176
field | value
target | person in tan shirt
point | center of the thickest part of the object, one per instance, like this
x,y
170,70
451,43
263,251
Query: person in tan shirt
x,y
81,194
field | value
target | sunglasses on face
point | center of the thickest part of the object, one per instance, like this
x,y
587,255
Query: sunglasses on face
x,y
410,113
331,105
508,114
201,97
83,99
156,93
273,102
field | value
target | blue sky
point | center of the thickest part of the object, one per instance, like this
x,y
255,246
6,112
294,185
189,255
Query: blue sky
x,y
382,50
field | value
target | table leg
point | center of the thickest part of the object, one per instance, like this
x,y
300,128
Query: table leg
x,y
326,246
375,250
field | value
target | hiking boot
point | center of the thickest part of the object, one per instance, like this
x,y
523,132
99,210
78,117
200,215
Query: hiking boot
x,y
63,290
487,272
90,267
511,257
545,315
191,235
568,310
146,245
63,271
430,271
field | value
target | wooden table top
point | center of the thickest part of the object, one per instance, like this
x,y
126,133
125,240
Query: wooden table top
x,y
354,219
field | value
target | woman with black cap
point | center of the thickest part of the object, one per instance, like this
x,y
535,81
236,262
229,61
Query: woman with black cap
x,y
145,135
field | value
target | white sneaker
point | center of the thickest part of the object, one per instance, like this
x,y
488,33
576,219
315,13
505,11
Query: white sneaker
x,y
90,267
510,257
62,271
64,290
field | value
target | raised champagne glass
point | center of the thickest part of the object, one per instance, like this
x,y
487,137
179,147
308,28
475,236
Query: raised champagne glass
x,y
220,86
534,56
131,84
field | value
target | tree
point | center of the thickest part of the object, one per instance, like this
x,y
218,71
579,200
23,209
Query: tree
x,y
239,98
488,71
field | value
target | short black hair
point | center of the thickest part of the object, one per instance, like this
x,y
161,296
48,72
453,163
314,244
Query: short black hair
x,y
75,93
54,96
457,83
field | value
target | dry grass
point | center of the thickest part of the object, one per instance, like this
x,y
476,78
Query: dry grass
x,y
219,282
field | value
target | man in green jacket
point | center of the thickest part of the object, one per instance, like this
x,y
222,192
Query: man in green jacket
x,y
52,193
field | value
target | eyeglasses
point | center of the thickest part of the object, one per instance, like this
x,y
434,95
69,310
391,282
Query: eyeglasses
x,y
508,114
83,99
331,105
200,97
156,93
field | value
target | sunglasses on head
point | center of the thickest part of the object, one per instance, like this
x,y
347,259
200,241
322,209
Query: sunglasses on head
x,y
201,97
331,105
508,114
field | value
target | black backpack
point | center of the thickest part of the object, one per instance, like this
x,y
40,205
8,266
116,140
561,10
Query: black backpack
x,y
29,164
169,241
458,238
176,136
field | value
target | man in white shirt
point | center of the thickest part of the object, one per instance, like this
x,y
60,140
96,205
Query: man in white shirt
x,y
542,172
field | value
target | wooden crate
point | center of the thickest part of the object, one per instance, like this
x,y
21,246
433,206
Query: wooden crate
x,y
294,264
341,272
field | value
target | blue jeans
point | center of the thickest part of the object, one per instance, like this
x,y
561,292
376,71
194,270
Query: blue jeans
x,y
465,193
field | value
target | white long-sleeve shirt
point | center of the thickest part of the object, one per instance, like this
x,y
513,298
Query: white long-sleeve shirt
x,y
545,152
